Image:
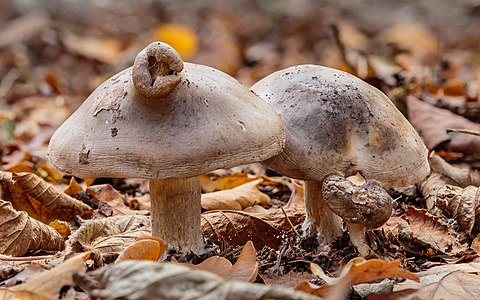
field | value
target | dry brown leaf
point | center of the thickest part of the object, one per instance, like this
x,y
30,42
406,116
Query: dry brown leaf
x,y
30,193
48,283
422,233
463,204
175,281
431,123
140,203
238,227
73,187
356,271
297,197
460,281
22,29
217,265
414,37
219,47
144,249
110,235
463,177
20,233
256,209
116,200
239,198
245,269
106,50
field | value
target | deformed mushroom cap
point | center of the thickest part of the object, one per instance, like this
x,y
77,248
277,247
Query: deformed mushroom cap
x,y
201,120
337,123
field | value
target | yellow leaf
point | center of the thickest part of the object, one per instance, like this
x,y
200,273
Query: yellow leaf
x,y
180,37
73,187
145,249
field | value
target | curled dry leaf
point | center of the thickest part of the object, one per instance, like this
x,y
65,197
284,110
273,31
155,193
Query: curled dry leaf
x,y
116,200
109,235
356,271
463,204
212,182
47,284
463,177
144,249
238,227
421,233
20,233
174,281
432,122
239,198
73,187
30,193
460,281
245,269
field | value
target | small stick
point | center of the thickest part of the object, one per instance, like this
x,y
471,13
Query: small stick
x,y
27,258
290,222
466,131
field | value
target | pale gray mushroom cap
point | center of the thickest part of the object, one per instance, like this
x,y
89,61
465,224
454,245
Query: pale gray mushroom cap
x,y
208,121
337,123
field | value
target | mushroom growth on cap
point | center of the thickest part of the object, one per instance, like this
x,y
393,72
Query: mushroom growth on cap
x,y
168,121
338,124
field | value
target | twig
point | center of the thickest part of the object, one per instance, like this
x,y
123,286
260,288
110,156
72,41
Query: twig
x,y
290,222
466,131
28,258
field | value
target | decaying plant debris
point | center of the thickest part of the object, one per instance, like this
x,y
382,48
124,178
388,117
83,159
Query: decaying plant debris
x,y
70,237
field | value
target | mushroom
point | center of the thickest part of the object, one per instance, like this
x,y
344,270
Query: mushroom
x,y
338,124
168,121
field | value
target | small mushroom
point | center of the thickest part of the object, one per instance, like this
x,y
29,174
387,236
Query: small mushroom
x,y
338,124
168,121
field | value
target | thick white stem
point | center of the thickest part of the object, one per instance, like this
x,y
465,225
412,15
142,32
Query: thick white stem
x,y
320,219
175,210
357,236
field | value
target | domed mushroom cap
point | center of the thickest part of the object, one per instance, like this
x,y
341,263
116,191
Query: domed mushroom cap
x,y
203,120
337,123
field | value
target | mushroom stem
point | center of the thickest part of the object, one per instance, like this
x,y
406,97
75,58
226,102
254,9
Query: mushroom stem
x,y
357,236
175,211
320,218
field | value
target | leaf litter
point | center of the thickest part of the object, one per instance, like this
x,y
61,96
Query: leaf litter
x,y
435,75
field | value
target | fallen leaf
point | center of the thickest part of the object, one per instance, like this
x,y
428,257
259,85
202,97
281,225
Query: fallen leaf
x,y
422,233
238,227
432,122
462,176
61,227
109,235
182,38
218,47
245,269
460,281
144,249
73,187
116,200
30,193
47,284
22,28
211,183
175,281
104,49
297,197
20,233
460,203
416,38
356,271
239,198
